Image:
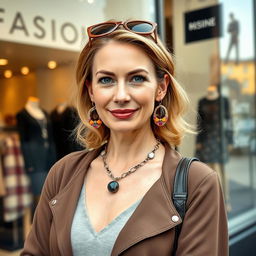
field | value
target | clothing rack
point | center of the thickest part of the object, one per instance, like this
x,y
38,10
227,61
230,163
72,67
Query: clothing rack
x,y
16,222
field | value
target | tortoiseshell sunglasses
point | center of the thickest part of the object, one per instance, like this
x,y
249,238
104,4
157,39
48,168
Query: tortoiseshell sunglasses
x,y
140,27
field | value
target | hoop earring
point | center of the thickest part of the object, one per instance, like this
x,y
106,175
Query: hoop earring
x,y
160,115
93,117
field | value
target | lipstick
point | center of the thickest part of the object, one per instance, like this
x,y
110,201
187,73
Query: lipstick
x,y
123,113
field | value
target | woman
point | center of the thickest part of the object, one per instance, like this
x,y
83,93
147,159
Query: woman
x,y
116,198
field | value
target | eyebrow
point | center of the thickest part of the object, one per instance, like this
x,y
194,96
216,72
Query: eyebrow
x,y
129,73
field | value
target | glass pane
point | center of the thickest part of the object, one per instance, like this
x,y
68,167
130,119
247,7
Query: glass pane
x,y
238,86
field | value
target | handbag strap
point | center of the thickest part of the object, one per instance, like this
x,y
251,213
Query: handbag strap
x,y
180,193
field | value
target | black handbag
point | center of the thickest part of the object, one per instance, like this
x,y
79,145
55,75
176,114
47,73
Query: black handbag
x,y
180,193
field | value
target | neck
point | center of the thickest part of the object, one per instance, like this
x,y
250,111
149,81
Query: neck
x,y
213,95
32,104
126,150
34,110
61,107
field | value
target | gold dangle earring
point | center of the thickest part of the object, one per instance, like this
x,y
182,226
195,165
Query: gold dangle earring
x,y
160,115
93,117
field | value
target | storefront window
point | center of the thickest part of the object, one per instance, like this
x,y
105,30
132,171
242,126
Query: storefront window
x,y
218,72
39,45
238,85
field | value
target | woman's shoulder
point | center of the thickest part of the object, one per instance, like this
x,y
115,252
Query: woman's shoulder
x,y
69,166
69,160
201,178
199,171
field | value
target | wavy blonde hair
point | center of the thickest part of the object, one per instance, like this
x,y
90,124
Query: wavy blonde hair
x,y
175,100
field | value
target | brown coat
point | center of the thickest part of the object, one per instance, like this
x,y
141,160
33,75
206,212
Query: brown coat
x,y
150,230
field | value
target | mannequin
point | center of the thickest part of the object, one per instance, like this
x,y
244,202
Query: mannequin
x,y
64,120
61,107
212,93
37,143
213,145
32,106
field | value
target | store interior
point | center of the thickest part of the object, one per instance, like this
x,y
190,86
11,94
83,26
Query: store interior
x,y
51,84
43,78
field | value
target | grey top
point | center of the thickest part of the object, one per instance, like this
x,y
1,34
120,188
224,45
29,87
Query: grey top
x,y
85,240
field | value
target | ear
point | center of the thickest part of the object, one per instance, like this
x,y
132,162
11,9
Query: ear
x,y
162,88
88,84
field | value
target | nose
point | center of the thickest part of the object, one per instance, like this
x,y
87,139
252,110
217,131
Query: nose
x,y
122,94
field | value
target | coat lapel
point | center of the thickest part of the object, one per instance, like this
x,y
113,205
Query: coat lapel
x,y
65,205
154,214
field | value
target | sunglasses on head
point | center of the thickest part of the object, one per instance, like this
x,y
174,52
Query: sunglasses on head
x,y
139,27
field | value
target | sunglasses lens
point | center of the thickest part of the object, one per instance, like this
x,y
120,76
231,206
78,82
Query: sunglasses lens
x,y
140,27
102,29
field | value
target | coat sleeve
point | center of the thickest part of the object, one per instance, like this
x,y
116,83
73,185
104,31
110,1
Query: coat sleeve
x,y
204,230
37,242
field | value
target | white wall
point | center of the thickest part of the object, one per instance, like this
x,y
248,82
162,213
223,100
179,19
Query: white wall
x,y
15,91
50,86
56,86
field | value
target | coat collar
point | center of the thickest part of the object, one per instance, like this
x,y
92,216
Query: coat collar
x,y
157,217
63,205
142,224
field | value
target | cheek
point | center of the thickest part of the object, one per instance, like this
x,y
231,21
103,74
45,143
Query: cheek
x,y
101,96
146,97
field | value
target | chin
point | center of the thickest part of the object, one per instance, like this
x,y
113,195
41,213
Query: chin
x,y
125,127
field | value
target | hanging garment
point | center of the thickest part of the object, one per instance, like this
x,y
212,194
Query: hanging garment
x,y
2,186
63,125
18,195
37,147
215,130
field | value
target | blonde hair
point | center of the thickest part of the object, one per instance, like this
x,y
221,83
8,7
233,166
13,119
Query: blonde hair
x,y
176,100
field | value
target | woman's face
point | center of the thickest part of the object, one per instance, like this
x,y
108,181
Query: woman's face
x,y
124,86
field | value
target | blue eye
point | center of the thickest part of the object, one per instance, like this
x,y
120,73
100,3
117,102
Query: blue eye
x,y
138,79
106,80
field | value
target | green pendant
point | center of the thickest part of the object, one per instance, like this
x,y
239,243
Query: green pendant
x,y
113,186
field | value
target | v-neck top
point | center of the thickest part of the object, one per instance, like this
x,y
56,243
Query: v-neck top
x,y
85,240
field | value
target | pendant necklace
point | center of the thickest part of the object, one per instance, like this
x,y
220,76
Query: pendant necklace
x,y
113,186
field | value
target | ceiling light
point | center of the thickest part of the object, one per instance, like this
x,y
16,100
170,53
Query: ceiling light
x,y
3,62
52,64
24,70
7,73
90,1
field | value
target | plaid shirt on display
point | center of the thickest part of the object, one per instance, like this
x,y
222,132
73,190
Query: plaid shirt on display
x,y
17,185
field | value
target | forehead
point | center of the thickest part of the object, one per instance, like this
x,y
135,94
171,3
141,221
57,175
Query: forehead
x,y
118,55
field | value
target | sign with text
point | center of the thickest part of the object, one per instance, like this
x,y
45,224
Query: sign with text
x,y
61,24
55,24
203,24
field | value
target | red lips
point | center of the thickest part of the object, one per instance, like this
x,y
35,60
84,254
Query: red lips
x,y
123,113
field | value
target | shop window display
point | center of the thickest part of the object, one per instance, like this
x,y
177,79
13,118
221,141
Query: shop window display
x,y
237,72
213,146
64,121
35,130
15,192
227,127
31,36
28,150
227,61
